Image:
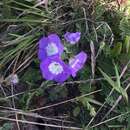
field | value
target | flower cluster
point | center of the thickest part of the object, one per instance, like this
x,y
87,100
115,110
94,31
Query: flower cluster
x,y
49,53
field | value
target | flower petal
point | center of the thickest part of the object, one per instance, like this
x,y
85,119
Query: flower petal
x,y
73,38
43,42
53,68
55,39
77,62
50,46
41,54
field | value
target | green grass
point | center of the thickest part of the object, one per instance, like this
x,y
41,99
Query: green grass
x,y
98,98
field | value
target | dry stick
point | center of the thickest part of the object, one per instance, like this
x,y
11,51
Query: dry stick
x,y
69,82
9,67
124,69
57,8
7,97
96,35
120,97
77,20
113,118
42,2
2,90
16,115
20,38
100,109
112,35
117,101
27,60
93,60
40,124
16,61
86,25
32,115
70,100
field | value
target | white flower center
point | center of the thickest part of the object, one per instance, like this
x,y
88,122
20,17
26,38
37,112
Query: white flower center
x,y
51,49
55,68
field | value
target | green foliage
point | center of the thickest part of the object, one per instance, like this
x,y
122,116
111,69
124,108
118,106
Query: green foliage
x,y
32,75
125,26
6,126
99,10
76,111
127,44
116,85
100,21
87,105
128,126
116,51
58,92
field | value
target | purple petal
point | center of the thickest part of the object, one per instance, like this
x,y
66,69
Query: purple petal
x,y
73,38
41,54
43,42
77,62
55,39
50,46
65,75
53,68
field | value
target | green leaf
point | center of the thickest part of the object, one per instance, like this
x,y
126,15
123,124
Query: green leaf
x,y
109,80
117,49
122,91
6,126
76,111
86,104
117,77
125,26
6,9
31,75
127,44
115,84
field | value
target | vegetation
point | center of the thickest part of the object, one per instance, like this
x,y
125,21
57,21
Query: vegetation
x,y
97,98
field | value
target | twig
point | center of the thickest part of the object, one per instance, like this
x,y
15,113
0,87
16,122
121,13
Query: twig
x,y
113,118
40,124
13,102
45,2
63,102
100,108
124,69
120,97
34,115
65,83
85,16
116,103
93,60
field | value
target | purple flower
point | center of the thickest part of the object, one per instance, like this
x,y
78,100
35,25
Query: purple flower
x,y
77,62
50,46
73,38
53,68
